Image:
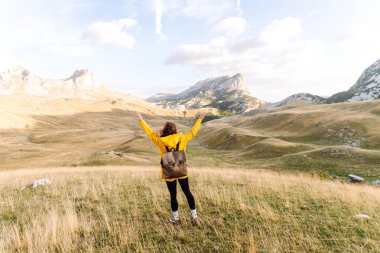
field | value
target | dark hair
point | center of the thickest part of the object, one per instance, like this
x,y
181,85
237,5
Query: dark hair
x,y
169,129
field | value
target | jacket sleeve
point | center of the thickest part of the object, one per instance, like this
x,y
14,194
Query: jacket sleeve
x,y
152,135
190,135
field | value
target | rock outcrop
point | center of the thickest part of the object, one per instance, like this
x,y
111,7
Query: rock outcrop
x,y
224,93
81,84
366,88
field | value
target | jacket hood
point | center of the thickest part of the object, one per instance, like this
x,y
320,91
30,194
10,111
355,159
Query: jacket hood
x,y
171,140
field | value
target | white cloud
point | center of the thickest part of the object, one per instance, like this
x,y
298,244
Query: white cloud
x,y
209,9
70,7
200,54
280,31
111,33
161,8
279,60
354,49
357,32
7,60
238,4
158,9
70,50
33,30
239,10
268,64
27,28
232,26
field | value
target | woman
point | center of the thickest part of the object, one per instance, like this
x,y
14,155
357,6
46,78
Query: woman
x,y
168,140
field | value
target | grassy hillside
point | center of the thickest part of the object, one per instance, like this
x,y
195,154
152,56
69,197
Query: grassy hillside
x,y
337,139
41,132
247,199
124,209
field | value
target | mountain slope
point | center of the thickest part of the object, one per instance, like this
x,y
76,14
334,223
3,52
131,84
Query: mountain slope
x,y
224,93
81,84
306,98
337,138
366,88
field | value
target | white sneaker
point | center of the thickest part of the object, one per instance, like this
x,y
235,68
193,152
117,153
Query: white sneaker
x,y
174,221
194,221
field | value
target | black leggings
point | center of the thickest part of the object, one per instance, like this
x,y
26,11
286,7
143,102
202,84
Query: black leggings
x,y
172,186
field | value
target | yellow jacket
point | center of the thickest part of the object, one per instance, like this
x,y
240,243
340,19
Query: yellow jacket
x,y
171,141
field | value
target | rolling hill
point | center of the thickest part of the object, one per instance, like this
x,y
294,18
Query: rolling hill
x,y
242,174
336,138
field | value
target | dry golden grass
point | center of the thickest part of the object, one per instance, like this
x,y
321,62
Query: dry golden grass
x,y
40,132
270,147
21,111
124,209
316,138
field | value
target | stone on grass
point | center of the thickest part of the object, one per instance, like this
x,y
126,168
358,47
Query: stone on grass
x,y
362,216
38,182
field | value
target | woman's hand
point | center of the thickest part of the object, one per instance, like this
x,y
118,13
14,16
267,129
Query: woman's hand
x,y
202,115
139,116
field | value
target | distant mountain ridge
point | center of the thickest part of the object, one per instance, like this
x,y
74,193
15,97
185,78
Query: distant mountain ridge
x,y
367,87
232,94
81,84
305,97
224,93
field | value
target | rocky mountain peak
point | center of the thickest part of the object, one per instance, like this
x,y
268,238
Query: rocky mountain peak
x,y
226,93
370,75
17,70
236,82
80,72
367,86
81,84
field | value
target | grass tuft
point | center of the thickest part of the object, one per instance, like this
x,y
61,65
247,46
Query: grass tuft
x,y
125,209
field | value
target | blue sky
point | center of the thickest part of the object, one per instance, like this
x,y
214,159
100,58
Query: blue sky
x,y
148,46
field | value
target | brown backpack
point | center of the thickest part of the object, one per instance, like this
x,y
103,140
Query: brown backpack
x,y
173,163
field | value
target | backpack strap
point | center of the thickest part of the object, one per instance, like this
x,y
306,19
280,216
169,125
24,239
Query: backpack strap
x,y
171,148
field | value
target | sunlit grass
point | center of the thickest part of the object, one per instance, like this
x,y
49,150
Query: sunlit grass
x,y
125,209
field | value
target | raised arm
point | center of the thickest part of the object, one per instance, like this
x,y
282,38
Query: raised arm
x,y
190,135
152,135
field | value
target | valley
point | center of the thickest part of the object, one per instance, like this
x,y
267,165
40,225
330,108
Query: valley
x,y
272,178
221,126
327,139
